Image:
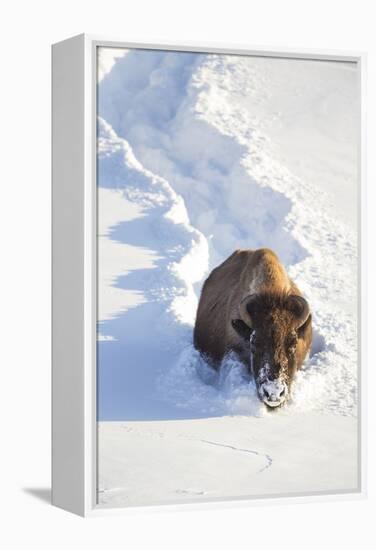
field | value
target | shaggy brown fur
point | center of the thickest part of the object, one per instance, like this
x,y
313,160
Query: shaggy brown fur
x,y
275,308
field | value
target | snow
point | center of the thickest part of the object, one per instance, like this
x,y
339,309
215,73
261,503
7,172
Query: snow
x,y
229,457
106,59
199,155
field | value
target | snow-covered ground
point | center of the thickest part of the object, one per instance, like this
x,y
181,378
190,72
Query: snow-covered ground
x,y
199,155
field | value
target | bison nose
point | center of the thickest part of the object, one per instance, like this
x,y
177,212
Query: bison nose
x,y
273,392
274,395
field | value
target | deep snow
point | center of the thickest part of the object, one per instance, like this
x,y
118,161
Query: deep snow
x,y
199,155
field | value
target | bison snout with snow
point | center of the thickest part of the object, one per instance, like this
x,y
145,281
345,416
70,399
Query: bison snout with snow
x,y
249,305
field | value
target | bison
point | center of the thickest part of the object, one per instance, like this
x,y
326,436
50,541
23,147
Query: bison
x,y
250,306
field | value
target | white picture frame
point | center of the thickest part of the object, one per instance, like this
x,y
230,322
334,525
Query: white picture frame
x,y
74,207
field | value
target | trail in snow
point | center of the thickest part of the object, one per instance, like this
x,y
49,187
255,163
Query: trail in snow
x,y
157,102
218,187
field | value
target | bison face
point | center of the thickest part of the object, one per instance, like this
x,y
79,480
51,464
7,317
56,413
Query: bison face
x,y
271,324
273,363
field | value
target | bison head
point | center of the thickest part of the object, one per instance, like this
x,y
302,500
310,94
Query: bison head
x,y
272,324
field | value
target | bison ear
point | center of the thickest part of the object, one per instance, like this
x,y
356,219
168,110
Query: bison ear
x,y
247,308
299,308
241,328
305,330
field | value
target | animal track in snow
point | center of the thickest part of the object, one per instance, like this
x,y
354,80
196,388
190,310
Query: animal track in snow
x,y
268,458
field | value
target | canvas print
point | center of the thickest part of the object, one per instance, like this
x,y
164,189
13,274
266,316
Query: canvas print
x,y
227,343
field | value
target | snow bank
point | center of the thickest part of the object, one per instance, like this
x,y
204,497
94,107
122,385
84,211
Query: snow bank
x,y
145,310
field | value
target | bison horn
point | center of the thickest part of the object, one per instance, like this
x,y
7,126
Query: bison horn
x,y
244,309
299,308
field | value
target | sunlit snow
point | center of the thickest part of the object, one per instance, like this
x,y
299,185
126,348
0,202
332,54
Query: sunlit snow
x,y
199,155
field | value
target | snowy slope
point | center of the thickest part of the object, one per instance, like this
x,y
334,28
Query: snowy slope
x,y
200,155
